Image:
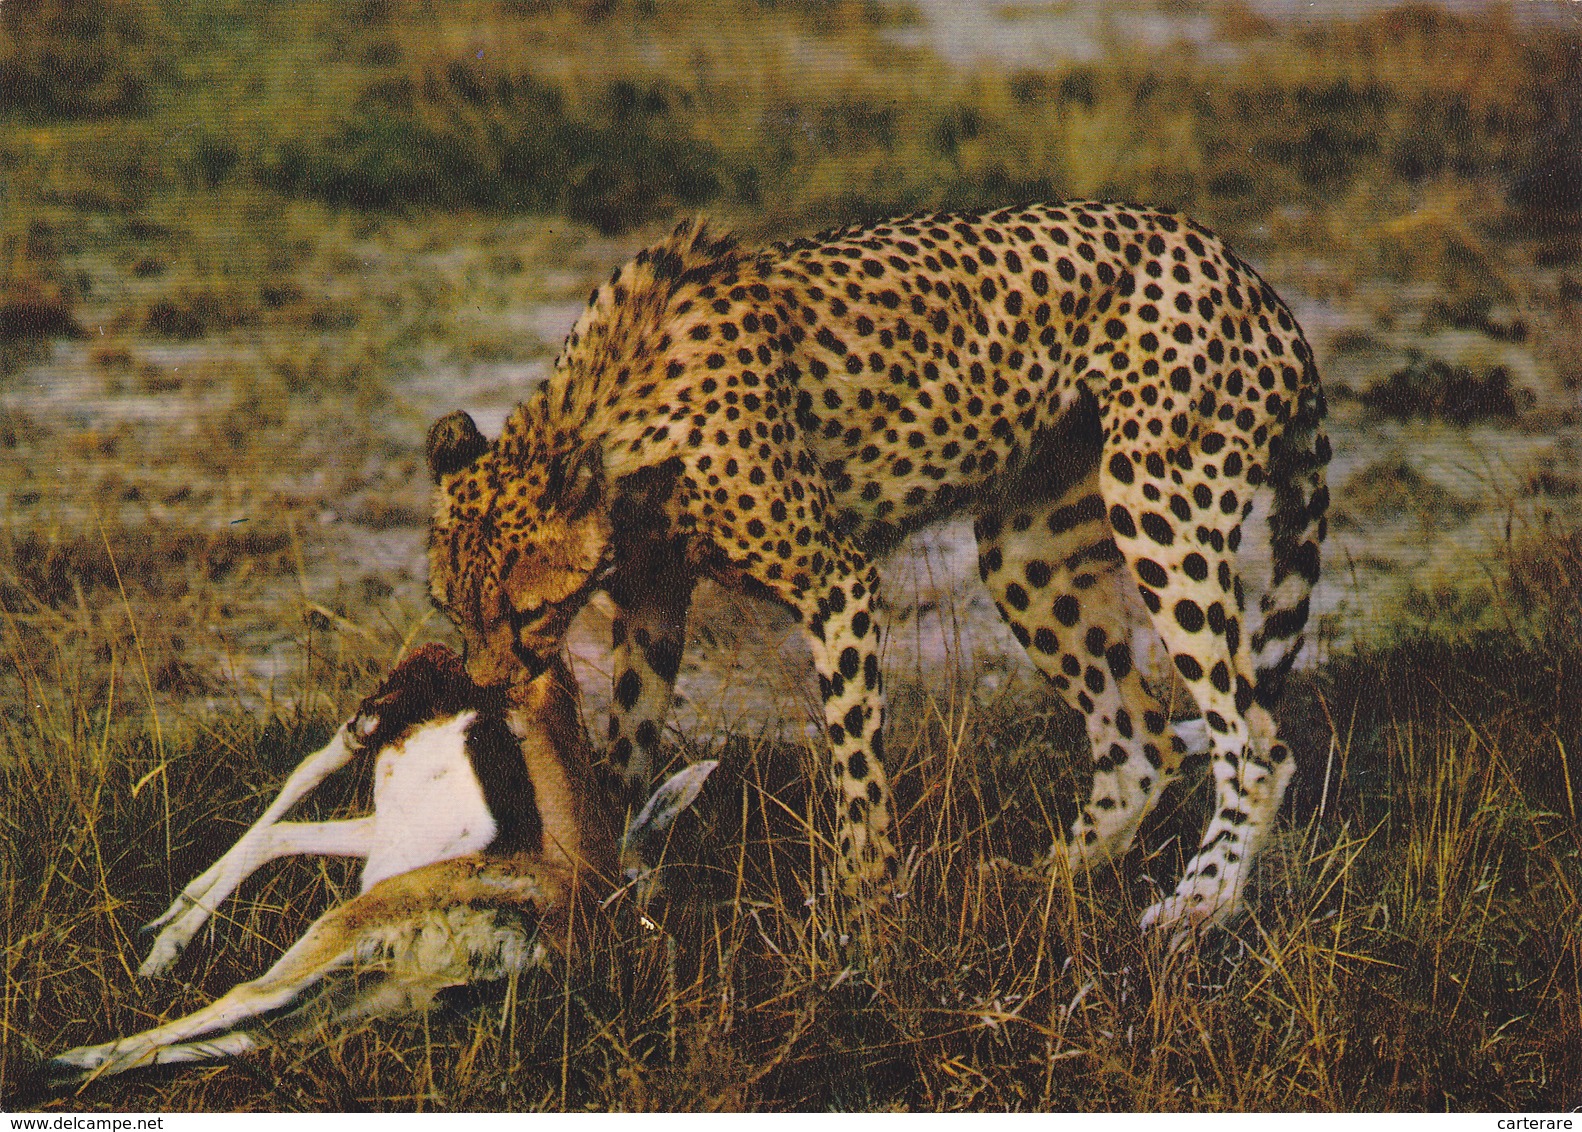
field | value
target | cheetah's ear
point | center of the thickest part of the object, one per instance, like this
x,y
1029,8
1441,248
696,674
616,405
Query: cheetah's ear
x,y
576,483
453,443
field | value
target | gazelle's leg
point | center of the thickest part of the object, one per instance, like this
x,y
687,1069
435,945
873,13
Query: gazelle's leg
x,y
323,949
257,848
308,773
208,1049
385,998
432,927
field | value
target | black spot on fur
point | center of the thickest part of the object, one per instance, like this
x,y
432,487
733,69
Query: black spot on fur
x,y
1158,528
1066,610
1121,522
1152,573
628,688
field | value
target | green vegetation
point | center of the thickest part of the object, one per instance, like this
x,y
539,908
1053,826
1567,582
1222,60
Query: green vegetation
x,y
616,112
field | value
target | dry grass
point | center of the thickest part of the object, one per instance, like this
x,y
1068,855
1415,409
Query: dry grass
x,y
1415,939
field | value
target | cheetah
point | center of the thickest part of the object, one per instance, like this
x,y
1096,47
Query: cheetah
x,y
1106,389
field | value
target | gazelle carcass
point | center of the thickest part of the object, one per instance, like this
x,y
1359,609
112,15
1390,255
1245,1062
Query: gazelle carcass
x,y
487,828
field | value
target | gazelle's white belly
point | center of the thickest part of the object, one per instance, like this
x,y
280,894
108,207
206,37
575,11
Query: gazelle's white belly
x,y
428,805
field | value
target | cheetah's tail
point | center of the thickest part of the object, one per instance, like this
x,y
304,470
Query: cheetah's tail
x,y
1297,461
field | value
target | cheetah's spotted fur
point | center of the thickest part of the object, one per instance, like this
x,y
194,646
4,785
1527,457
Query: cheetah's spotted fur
x,y
1104,387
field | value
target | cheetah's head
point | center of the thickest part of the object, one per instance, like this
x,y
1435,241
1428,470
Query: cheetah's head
x,y
518,539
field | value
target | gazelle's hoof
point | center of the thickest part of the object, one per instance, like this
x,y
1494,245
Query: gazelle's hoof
x,y
180,924
161,957
177,906
167,948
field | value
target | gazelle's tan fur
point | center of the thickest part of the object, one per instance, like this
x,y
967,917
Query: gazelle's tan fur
x,y
443,923
470,919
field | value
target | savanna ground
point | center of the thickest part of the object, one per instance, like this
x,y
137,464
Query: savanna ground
x,y
248,251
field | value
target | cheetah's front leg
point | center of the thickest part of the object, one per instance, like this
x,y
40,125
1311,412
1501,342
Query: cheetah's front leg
x,y
841,619
648,635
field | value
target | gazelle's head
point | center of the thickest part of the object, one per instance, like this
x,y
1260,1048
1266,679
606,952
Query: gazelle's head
x,y
427,686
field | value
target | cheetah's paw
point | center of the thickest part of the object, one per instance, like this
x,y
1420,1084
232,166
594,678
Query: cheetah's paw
x,y
1199,903
1081,859
1115,833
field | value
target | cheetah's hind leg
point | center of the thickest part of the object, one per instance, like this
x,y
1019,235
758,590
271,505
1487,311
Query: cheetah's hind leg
x,y
1055,572
1189,580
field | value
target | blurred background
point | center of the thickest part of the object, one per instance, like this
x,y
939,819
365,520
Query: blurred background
x,y
249,250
